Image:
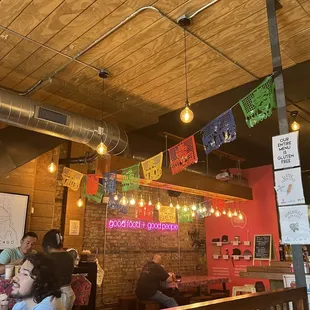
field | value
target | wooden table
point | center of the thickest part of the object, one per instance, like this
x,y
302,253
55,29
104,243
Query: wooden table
x,y
198,281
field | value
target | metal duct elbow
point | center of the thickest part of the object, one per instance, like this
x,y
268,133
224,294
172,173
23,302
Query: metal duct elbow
x,y
29,114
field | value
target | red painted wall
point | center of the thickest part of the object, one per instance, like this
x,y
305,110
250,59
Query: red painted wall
x,y
261,218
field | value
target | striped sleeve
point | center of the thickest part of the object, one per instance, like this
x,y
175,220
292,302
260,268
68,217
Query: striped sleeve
x,y
5,257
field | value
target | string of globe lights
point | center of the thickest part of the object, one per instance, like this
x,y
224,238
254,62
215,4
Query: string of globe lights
x,y
194,207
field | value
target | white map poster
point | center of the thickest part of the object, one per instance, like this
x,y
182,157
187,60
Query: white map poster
x,y
13,212
294,224
288,185
285,151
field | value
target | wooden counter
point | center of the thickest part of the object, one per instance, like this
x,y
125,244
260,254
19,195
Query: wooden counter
x,y
274,273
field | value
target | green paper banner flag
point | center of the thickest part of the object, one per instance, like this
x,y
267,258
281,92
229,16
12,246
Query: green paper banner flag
x,y
131,178
97,198
258,104
185,216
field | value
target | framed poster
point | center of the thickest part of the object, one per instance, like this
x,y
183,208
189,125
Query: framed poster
x,y
12,228
262,247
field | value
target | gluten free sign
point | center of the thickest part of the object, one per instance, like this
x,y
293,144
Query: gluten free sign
x,y
285,151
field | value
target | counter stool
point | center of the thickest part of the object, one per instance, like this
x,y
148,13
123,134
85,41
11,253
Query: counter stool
x,y
127,302
243,289
147,305
200,299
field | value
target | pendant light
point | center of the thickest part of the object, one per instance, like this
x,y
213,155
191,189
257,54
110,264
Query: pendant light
x,y
186,114
52,167
295,125
101,147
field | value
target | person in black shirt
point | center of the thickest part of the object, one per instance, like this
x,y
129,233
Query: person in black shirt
x,y
63,265
149,283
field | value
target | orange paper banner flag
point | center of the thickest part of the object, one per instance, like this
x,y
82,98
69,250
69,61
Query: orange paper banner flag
x,y
152,167
167,215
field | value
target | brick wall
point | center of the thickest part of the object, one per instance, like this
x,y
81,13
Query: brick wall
x,y
127,251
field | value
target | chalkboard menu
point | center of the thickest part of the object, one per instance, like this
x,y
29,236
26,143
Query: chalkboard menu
x,y
262,247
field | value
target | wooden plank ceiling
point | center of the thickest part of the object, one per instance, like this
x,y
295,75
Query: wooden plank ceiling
x,y
145,56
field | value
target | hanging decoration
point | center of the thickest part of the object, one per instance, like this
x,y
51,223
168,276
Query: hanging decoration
x,y
258,104
185,216
71,178
109,183
145,213
97,198
92,182
114,205
130,178
152,167
183,155
167,214
220,130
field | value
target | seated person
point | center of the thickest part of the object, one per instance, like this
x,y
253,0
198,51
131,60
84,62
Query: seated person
x,y
16,255
148,284
36,285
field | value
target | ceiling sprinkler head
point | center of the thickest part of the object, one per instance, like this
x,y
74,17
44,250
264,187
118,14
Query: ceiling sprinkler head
x,y
184,21
104,73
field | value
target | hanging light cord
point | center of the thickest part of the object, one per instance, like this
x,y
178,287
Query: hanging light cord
x,y
185,69
102,109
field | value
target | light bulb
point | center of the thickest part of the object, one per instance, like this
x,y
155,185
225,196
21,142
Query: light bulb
x,y
194,208
235,213
51,167
295,126
141,202
132,201
204,209
124,201
80,203
101,148
150,202
224,212
158,205
186,115
212,210
229,213
115,197
193,214
217,213
185,209
240,216
178,206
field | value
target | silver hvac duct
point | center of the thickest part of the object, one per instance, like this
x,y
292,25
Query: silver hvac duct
x,y
29,114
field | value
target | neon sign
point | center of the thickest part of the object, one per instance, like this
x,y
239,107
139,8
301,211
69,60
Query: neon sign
x,y
131,224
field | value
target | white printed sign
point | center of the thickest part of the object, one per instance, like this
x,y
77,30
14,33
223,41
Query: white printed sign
x,y
288,186
74,228
285,151
294,224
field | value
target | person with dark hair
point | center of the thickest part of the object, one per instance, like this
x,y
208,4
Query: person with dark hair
x,y
36,285
15,256
63,265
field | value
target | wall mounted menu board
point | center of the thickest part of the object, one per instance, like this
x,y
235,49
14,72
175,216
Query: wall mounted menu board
x,y
262,247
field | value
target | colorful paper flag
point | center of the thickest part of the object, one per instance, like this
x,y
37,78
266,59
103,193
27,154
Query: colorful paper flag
x,y
130,178
152,167
97,198
258,104
221,130
167,214
145,213
92,182
109,183
185,216
183,155
71,178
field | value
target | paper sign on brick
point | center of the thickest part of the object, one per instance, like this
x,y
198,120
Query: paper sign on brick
x,y
294,224
285,151
288,185
71,178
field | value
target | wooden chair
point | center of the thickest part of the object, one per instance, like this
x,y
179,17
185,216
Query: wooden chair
x,y
128,302
243,289
147,305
